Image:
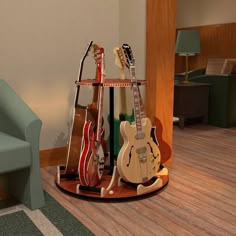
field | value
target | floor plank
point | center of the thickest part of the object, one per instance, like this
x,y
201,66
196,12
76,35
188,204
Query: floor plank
x,y
200,198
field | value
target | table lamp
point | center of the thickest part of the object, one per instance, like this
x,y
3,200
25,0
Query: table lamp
x,y
187,44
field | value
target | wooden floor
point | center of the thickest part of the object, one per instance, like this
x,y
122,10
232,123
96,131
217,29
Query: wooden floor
x,y
200,198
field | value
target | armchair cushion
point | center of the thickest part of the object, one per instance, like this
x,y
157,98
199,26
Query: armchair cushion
x,y
214,66
229,66
11,148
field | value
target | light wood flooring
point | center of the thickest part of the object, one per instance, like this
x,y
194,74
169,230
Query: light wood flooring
x,y
200,198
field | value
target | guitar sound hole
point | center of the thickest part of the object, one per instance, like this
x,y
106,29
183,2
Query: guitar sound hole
x,y
130,155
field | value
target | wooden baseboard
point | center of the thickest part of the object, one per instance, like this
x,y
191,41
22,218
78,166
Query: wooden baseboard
x,y
54,156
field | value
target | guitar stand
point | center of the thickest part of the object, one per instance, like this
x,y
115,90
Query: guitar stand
x,y
112,185
80,188
61,176
152,185
104,190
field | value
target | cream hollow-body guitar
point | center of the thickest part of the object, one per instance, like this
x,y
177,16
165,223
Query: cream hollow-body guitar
x,y
121,63
139,158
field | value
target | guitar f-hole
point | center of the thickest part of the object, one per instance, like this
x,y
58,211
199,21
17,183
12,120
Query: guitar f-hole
x,y
130,155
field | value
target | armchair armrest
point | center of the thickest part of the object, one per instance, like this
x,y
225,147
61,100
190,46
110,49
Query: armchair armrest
x,y
191,74
16,118
210,77
219,84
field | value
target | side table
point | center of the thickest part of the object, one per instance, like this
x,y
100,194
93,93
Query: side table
x,y
190,101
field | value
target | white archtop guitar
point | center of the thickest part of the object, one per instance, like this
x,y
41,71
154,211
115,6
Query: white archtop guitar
x,y
139,158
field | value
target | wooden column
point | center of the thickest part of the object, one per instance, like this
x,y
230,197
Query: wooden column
x,y
160,59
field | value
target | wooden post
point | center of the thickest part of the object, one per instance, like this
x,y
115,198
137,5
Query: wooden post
x,y
160,60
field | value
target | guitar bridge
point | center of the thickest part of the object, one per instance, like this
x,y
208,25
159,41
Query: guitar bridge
x,y
142,153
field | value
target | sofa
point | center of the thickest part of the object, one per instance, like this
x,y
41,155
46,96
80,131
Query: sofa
x,y
222,93
19,148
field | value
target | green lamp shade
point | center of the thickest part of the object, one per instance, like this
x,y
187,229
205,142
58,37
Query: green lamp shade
x,y
187,42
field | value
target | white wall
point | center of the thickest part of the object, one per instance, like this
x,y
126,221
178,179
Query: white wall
x,y
205,12
42,43
132,30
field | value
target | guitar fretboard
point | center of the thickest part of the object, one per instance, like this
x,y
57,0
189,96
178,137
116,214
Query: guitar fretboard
x,y
100,98
136,100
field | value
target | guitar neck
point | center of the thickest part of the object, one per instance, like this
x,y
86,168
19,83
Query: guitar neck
x,y
78,80
81,72
100,90
99,78
136,100
142,110
100,109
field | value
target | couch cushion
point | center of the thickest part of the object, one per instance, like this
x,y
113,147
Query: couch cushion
x,y
14,153
229,66
214,66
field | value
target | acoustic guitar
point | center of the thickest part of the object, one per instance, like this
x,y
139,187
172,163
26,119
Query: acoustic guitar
x,y
91,163
76,131
139,158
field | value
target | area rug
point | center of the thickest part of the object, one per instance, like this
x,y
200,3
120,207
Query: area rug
x,y
52,219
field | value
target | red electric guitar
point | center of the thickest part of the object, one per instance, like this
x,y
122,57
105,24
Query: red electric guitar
x,y
91,164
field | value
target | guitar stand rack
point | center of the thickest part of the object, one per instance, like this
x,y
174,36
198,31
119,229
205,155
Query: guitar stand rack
x,y
112,186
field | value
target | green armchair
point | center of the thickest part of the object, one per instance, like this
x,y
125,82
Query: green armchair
x,y
19,148
221,74
222,99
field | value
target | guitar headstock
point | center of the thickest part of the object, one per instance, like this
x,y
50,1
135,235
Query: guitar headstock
x,y
120,61
119,57
98,53
88,49
130,61
82,61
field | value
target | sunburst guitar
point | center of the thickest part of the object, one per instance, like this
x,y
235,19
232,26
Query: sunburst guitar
x,y
139,158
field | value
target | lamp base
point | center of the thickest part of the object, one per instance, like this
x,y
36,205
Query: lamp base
x,y
184,81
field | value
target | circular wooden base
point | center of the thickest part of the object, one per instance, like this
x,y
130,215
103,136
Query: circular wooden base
x,y
118,190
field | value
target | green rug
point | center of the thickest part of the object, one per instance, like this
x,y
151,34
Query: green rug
x,y
19,223
12,224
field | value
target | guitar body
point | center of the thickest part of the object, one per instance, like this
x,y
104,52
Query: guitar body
x,y
75,142
95,165
91,163
139,158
